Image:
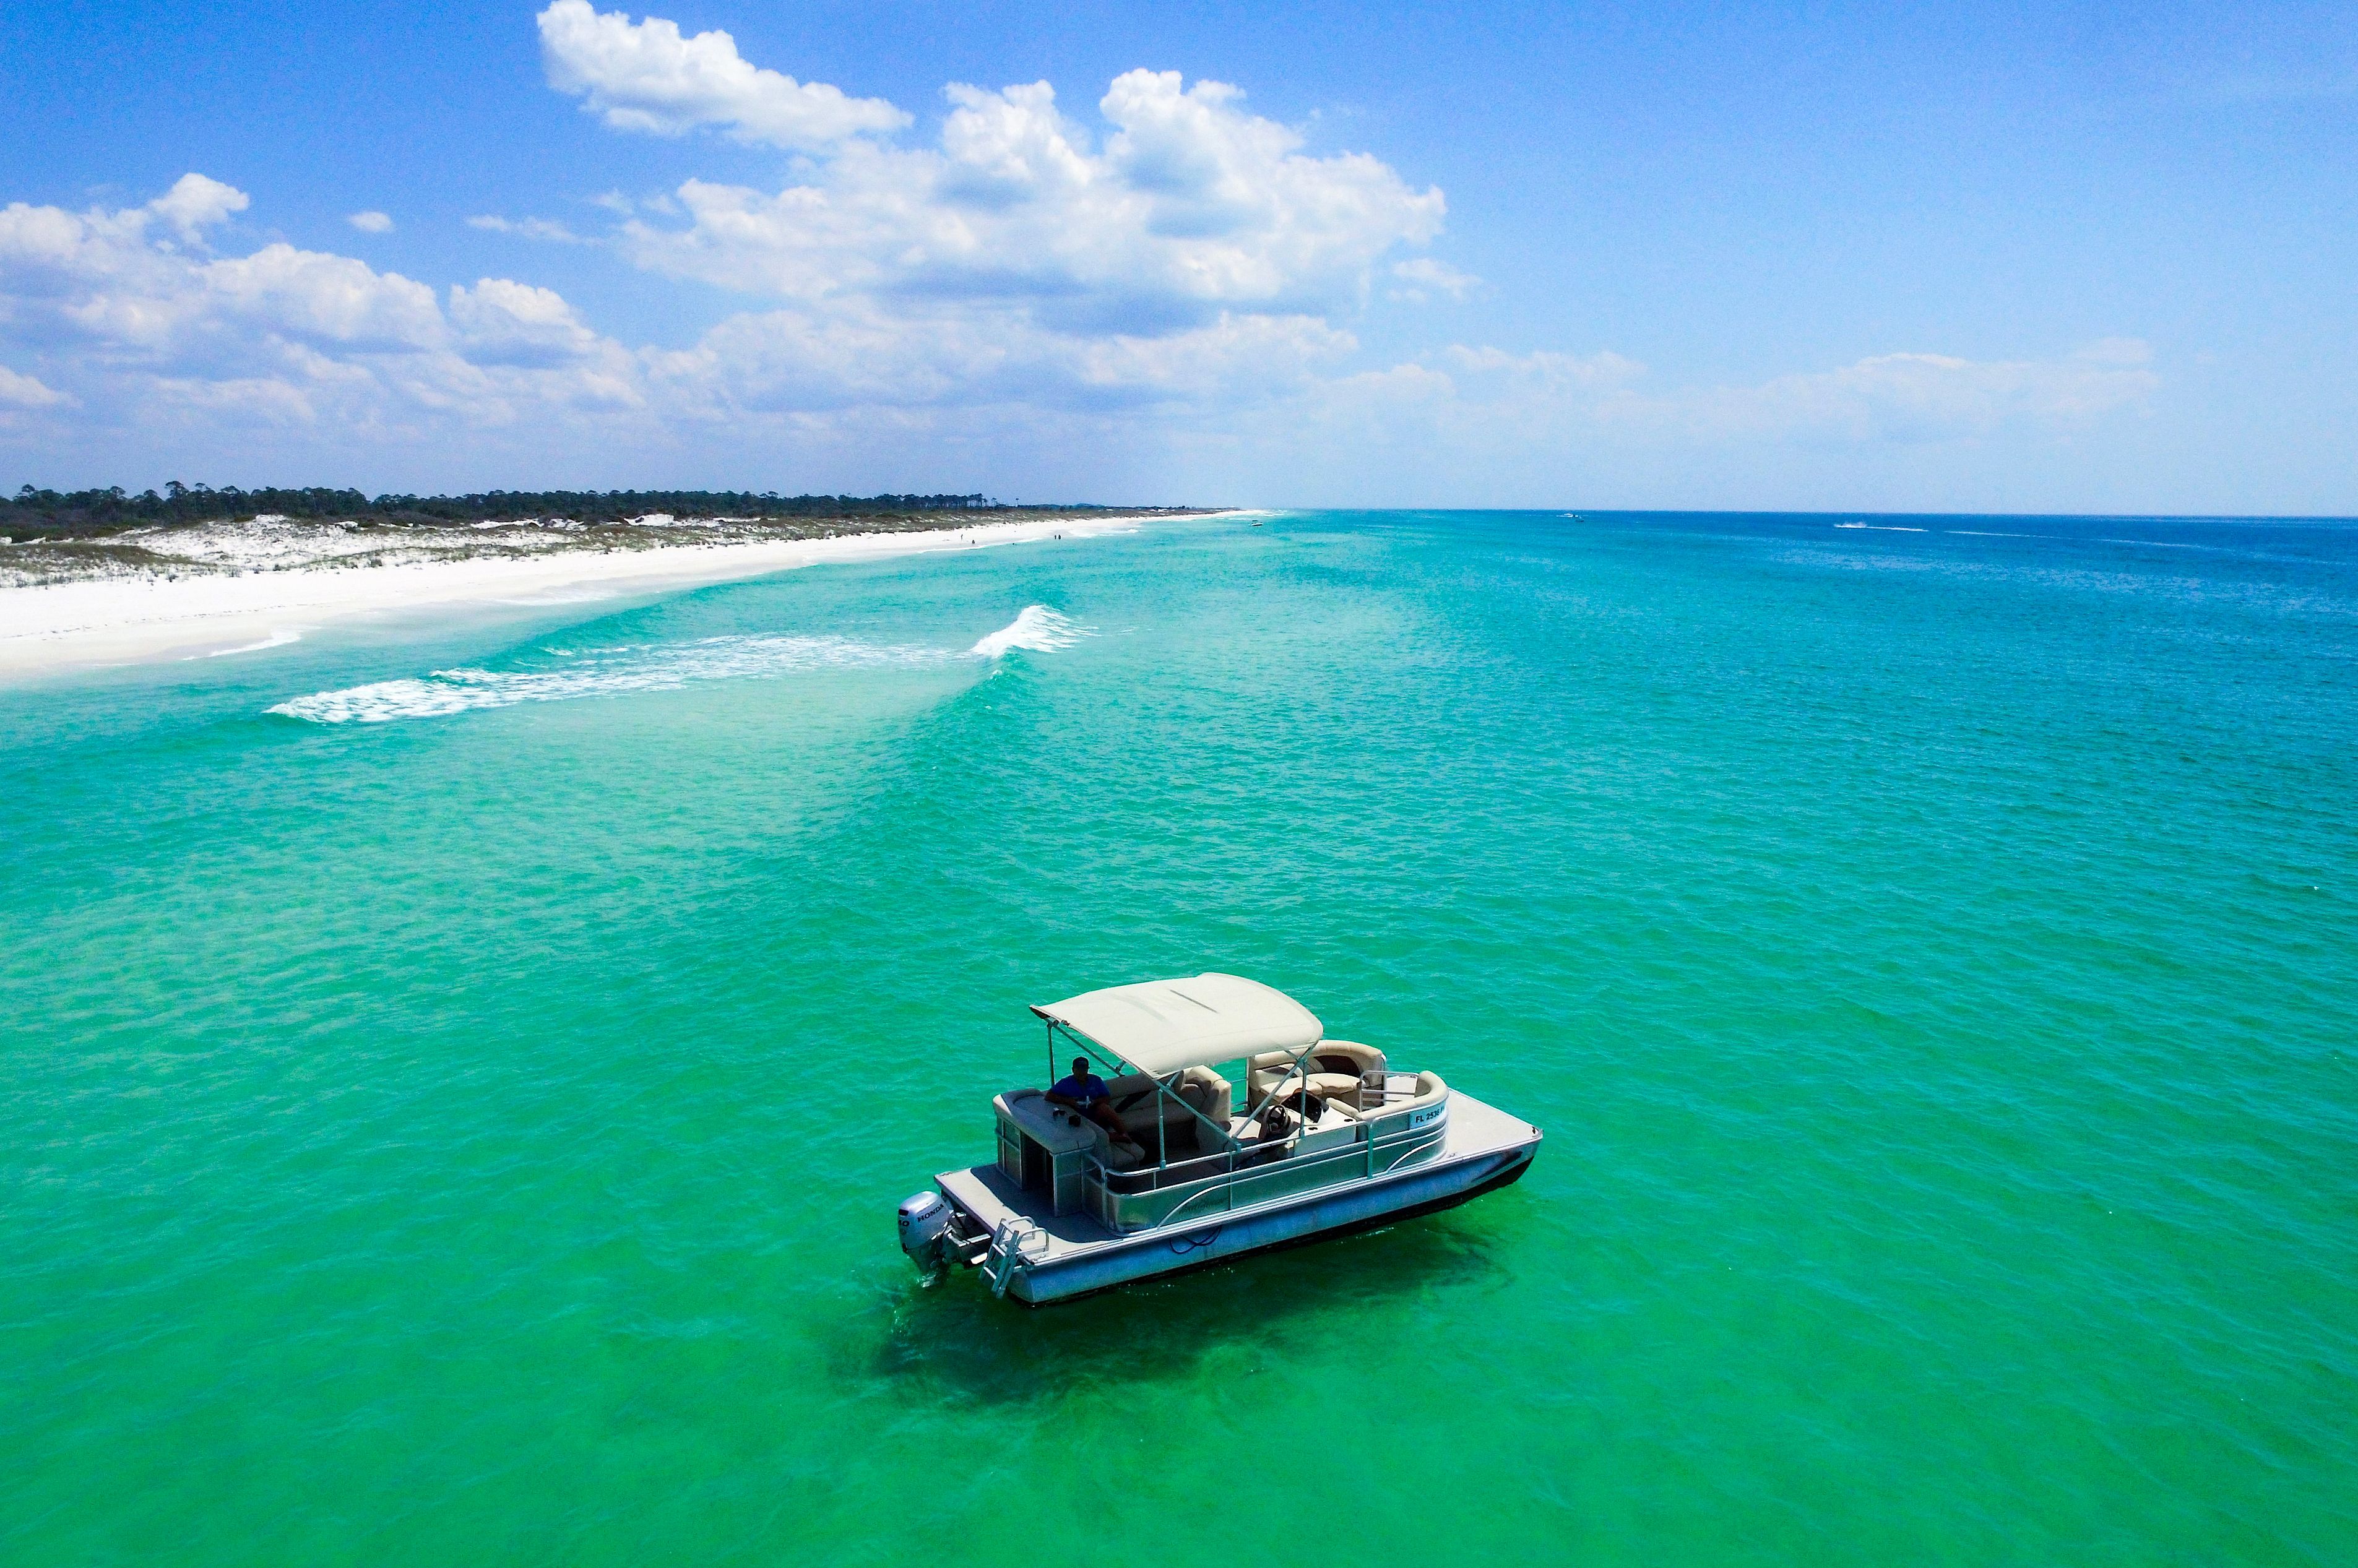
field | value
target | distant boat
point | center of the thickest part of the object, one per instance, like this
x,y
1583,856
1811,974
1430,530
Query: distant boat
x,y
1328,1136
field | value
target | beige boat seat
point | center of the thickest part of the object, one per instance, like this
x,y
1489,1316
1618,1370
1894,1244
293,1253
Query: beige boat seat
x,y
1141,1107
1336,1069
1430,1091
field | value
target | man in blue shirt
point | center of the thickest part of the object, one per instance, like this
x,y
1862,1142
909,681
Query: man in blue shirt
x,y
1084,1091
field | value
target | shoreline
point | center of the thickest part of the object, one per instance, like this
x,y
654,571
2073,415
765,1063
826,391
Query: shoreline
x,y
97,623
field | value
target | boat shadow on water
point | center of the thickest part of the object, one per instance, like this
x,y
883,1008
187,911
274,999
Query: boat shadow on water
x,y
953,1334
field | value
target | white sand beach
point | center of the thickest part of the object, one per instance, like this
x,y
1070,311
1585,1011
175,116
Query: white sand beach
x,y
57,627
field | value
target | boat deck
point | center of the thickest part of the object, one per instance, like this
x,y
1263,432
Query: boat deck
x,y
1475,1129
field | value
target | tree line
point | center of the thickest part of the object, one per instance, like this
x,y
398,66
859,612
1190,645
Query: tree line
x,y
98,511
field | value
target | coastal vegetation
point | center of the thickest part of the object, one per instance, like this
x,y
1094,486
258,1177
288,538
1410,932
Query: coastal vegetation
x,y
52,536
33,512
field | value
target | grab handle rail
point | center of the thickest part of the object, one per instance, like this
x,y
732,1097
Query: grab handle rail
x,y
1013,1251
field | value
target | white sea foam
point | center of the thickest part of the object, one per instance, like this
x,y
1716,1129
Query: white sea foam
x,y
277,639
658,666
655,666
1038,629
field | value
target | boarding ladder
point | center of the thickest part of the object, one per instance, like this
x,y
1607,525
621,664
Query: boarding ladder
x,y
1015,1245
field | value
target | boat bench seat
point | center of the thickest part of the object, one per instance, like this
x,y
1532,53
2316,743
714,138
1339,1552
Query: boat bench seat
x,y
1200,1087
1336,1069
1430,1091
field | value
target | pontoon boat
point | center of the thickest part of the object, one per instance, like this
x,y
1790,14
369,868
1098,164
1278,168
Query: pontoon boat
x,y
1324,1136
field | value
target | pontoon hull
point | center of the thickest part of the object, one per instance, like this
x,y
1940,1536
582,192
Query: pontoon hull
x,y
1458,1173
1317,1218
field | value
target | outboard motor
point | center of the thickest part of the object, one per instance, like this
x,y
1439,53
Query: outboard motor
x,y
925,1231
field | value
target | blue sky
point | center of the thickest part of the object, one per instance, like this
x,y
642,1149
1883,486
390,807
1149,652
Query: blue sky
x,y
1922,257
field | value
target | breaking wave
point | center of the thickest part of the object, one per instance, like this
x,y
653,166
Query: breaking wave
x,y
1039,628
655,666
277,639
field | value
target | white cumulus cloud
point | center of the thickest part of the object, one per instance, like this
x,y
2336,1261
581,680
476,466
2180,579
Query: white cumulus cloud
x,y
646,77
112,312
801,362
1173,268
371,223
499,322
1176,248
195,204
1188,207
121,308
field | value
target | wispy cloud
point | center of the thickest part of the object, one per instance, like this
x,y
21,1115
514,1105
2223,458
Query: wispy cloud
x,y
1918,397
26,392
1468,399
371,223
1423,277
527,227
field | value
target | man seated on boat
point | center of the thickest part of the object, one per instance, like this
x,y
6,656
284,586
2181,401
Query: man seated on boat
x,y
1084,1091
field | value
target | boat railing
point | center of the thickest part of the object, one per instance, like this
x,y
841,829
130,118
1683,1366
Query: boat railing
x,y
1388,1086
1179,1172
1248,1173
1015,1245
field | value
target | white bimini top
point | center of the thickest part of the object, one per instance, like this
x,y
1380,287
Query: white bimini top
x,y
1161,1026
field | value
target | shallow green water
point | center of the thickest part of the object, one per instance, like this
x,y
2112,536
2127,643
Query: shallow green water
x,y
474,1136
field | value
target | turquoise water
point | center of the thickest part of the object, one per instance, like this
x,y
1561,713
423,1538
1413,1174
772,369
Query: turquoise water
x,y
463,1124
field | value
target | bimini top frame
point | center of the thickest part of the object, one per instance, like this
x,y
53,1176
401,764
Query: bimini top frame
x,y
1164,1026
1160,1028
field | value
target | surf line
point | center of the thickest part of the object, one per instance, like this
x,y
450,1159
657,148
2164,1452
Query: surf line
x,y
277,639
659,666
